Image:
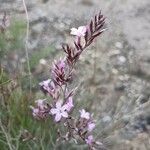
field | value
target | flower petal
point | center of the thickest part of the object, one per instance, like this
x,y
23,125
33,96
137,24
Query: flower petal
x,y
82,29
87,115
57,117
64,114
69,104
64,107
58,104
74,31
89,140
54,111
91,126
84,114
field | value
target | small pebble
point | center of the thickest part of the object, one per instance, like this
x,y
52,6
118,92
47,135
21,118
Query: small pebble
x,y
122,59
119,45
43,62
106,119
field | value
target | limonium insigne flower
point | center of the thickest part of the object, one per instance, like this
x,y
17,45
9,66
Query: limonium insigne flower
x,y
78,32
84,114
59,111
69,104
45,85
41,109
40,103
49,87
35,112
89,140
91,126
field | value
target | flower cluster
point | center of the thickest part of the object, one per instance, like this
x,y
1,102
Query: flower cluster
x,y
62,104
60,72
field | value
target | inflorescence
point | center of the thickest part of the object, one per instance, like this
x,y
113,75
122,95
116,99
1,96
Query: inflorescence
x,y
62,104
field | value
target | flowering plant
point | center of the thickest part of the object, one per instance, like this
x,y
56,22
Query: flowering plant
x,y
62,104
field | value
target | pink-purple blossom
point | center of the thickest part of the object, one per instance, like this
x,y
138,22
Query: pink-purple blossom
x,y
69,104
91,126
35,112
84,114
78,32
45,84
40,103
89,140
60,64
41,109
59,111
48,86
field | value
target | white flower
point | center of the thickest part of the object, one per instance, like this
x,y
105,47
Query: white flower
x,y
59,111
84,114
78,32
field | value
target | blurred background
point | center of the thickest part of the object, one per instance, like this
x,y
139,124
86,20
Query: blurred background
x,y
114,84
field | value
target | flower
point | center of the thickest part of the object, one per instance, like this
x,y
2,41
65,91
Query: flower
x,y
40,104
78,32
35,112
48,86
60,64
91,126
69,104
84,114
59,111
45,85
40,111
89,140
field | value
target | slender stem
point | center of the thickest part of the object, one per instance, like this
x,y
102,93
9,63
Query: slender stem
x,y
26,43
95,61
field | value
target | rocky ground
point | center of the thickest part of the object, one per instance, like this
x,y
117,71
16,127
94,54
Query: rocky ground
x,y
119,83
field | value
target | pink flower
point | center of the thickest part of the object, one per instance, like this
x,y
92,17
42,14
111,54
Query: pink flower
x,y
79,32
48,86
35,112
40,104
89,140
41,110
60,64
69,104
91,126
84,114
59,111
45,85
